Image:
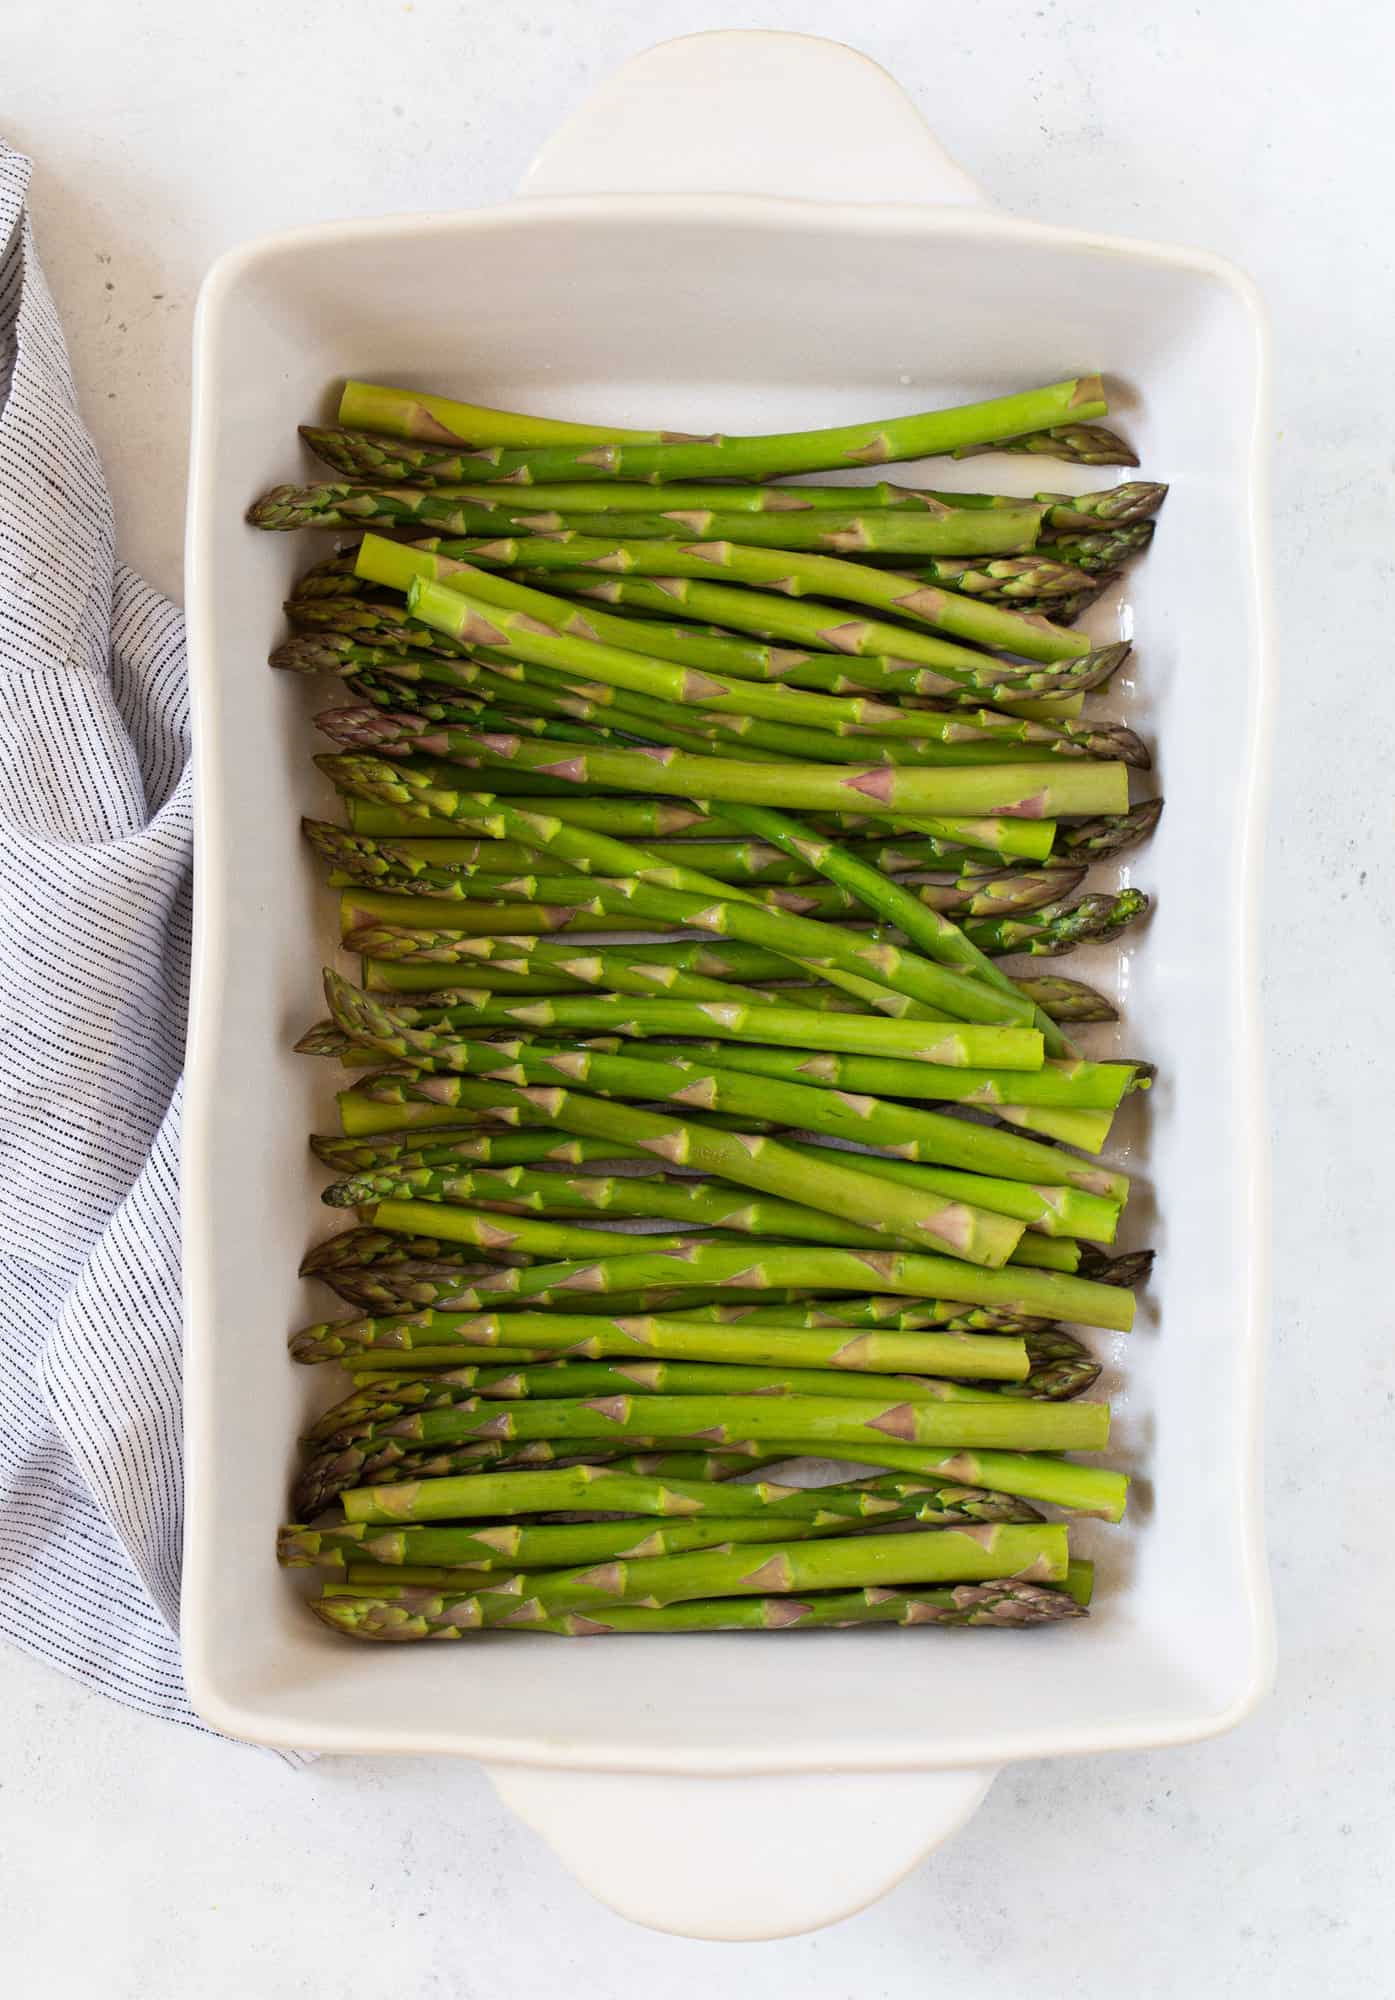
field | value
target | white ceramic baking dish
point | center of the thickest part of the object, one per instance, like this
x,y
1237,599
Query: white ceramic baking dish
x,y
745,232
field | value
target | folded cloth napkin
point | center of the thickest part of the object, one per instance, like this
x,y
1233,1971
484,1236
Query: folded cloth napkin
x,y
95,864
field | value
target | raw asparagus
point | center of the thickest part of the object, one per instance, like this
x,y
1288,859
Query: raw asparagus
x,y
796,573
933,529
997,1357
700,1083
549,454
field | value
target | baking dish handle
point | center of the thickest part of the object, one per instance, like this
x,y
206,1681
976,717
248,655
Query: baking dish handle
x,y
741,1859
750,112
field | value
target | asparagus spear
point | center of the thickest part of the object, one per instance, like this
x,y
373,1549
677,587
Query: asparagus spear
x,y
440,968
1120,506
932,934
593,1336
382,1395
436,420
1084,1127
353,1247
1131,1270
1067,999
1060,928
1011,840
416,462
711,907
416,896
445,974
339,506
499,1236
1055,1482
350,1261
912,1215
1050,1211
334,638
505,1547
421,914
934,1044
394,1288
540,1546
1032,791
495,1150
601,970
412,413
791,1308
329,1473
367,1422
704,1467
1036,579
1062,1367
1016,1288
378,622
946,666
316,651
701,1083
503,618
889,1312
1103,551
977,1234
398,925
332,577
699,1205
1081,444
361,910
420,463
1001,1603
915,1215
933,529
1031,840
415,963
1037,1554
745,1267
796,573
709,646
842,1421
724,960
572,641
1071,1086
398,1289
719,733
736,860
481,1496
1070,609
729,860
602,711
648,820
1095,839
1075,1084
1079,513
903,659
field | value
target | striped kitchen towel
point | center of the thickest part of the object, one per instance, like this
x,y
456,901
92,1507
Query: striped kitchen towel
x,y
95,864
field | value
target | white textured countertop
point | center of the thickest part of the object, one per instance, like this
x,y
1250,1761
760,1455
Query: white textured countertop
x,y
155,1863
